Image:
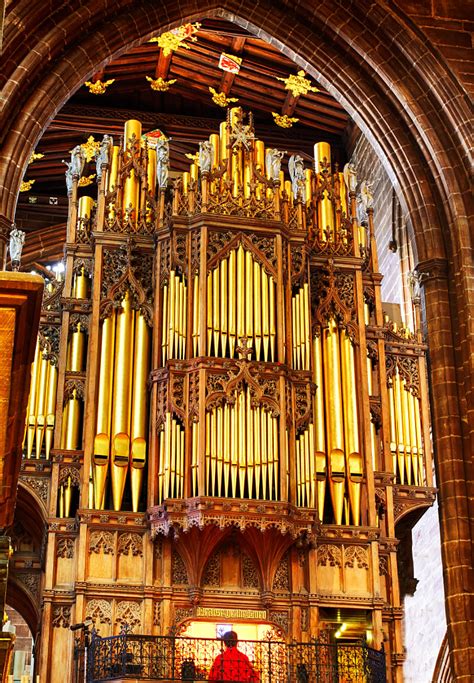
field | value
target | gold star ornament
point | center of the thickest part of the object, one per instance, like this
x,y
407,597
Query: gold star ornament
x,y
221,99
98,87
159,84
26,185
170,41
298,85
283,120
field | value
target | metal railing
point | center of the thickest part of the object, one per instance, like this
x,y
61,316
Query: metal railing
x,y
170,658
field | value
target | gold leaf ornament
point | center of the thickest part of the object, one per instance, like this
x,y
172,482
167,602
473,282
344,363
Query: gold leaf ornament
x,y
90,148
84,181
35,156
98,87
170,41
283,120
159,84
221,99
26,185
297,84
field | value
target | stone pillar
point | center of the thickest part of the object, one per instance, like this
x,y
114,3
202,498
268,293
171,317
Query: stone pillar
x,y
452,459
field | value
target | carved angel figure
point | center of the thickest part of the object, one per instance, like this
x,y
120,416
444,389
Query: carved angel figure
x,y
296,169
350,177
366,195
75,166
273,159
206,152
104,155
17,239
162,162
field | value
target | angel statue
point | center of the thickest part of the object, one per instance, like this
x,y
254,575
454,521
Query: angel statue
x,y
75,166
273,159
17,239
206,152
162,162
350,177
366,195
104,155
296,169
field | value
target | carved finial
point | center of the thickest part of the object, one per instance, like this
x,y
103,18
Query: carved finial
x,y
243,349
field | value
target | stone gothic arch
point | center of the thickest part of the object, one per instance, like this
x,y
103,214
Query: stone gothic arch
x,y
408,103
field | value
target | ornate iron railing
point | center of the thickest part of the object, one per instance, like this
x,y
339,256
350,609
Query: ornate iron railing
x,y
169,658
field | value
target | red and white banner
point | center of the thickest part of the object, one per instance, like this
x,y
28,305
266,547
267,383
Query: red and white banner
x,y
230,63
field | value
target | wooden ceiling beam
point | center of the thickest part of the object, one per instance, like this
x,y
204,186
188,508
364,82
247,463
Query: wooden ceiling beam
x,y
228,78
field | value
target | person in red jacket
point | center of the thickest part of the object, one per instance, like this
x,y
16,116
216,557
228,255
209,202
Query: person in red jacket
x,y
232,665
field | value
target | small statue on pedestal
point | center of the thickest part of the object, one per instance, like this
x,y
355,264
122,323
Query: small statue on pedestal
x,y
17,239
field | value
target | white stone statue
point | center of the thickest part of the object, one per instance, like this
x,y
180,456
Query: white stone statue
x,y
296,169
162,162
75,166
350,177
206,153
17,239
366,195
273,159
104,155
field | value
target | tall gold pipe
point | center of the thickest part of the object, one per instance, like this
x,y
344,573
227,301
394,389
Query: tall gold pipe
x,y
413,439
242,454
194,172
240,293
50,408
139,407
257,279
393,427
122,400
186,179
208,452
41,404
351,428
264,431
232,291
172,315
164,328
307,333
167,456
260,157
302,330
151,170
271,454
213,451
419,442
312,467
298,472
195,458
209,313
67,497
319,420
220,449
322,150
181,463
308,176
343,195
196,312
224,306
113,172
334,422
293,330
265,316
227,446
84,210
249,297
31,413
271,306
289,190
104,411
224,152
184,296
254,456
235,444
215,142
131,186
406,430
216,311
276,460
399,423
236,162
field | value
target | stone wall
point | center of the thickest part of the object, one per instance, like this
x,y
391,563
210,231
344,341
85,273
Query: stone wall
x,y
425,619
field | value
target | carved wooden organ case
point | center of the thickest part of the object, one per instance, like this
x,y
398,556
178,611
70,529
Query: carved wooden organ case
x,y
225,364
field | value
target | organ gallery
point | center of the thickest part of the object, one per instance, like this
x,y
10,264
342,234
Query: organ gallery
x,y
232,426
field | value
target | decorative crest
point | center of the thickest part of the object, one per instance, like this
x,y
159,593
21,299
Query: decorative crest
x,y
26,185
159,84
84,181
242,134
89,148
35,156
221,99
170,41
298,85
283,120
98,87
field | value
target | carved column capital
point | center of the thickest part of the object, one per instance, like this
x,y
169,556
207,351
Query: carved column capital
x,y
433,269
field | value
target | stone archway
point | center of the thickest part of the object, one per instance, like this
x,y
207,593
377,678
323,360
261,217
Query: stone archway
x,y
409,105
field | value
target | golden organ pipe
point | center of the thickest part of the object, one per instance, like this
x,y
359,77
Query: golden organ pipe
x,y
31,417
224,306
258,308
50,408
209,313
167,458
195,461
122,400
234,453
216,308
227,437
220,450
72,426
302,330
307,334
406,430
240,297
351,426
334,423
232,291
249,296
139,407
113,172
413,442
399,426
208,452
242,433
312,470
393,428
41,404
271,305
419,441
319,420
308,185
67,497
171,314
131,184
196,310
81,285
164,329
213,452
294,326
265,316
151,170
322,150
215,142
186,179
275,457
343,194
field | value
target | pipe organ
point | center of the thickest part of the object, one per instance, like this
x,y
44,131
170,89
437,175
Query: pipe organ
x,y
217,355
